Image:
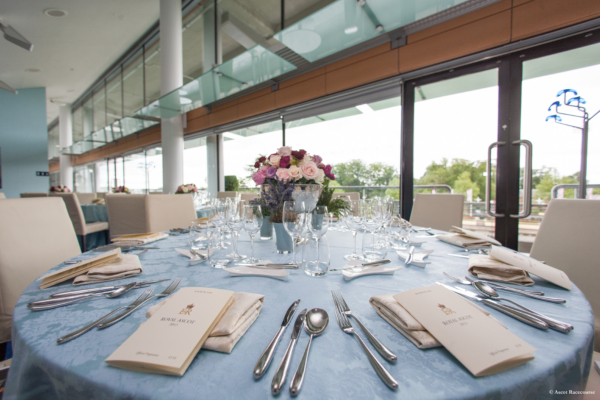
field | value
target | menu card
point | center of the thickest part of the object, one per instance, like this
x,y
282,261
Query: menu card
x,y
80,268
474,234
478,341
168,342
532,265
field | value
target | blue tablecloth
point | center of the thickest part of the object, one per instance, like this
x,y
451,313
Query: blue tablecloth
x,y
338,368
94,213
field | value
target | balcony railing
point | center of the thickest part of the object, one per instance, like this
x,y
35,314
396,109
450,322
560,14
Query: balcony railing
x,y
574,186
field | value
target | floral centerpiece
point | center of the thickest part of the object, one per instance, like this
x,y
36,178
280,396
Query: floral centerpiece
x,y
288,165
60,189
121,189
186,188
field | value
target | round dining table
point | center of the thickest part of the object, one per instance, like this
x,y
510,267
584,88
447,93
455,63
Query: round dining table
x,y
337,368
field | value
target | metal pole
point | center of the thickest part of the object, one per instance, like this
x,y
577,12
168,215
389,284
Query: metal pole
x,y
583,170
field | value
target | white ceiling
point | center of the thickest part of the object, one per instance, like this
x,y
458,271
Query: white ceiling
x,y
71,51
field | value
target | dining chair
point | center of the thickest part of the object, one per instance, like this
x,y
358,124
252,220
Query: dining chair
x,y
567,239
126,214
81,228
168,211
85,198
2,196
351,195
35,235
224,195
438,211
33,194
248,196
100,195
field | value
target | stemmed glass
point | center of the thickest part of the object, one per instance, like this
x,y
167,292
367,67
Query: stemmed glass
x,y
217,217
253,220
235,222
294,217
354,221
319,223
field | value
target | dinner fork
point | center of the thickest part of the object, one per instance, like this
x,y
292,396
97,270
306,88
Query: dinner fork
x,y
343,307
346,327
469,281
81,331
119,317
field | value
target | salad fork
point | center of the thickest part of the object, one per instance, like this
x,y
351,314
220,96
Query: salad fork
x,y
346,327
119,317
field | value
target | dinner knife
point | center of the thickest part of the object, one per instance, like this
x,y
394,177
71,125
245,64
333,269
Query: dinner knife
x,y
281,373
272,266
510,311
369,264
267,355
100,289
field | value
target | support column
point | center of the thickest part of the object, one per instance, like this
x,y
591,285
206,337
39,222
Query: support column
x,y
171,78
215,178
65,139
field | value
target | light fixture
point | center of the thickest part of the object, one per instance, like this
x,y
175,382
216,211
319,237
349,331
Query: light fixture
x,y
350,30
15,37
55,12
365,109
4,86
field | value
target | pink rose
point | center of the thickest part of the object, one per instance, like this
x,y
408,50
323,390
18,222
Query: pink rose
x,y
274,160
284,151
283,174
264,169
295,172
309,170
259,177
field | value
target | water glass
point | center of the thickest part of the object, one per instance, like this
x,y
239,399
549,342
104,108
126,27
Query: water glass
x,y
253,220
294,217
199,232
374,245
220,254
319,220
315,256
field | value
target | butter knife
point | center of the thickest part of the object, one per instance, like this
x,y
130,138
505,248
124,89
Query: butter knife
x,y
267,355
280,374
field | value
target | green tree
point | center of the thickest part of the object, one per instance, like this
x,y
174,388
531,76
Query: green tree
x,y
468,175
464,183
351,173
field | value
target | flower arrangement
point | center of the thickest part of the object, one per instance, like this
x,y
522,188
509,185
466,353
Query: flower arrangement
x,y
273,198
186,188
121,189
288,165
60,189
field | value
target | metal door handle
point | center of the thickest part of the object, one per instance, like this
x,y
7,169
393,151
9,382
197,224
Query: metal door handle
x,y
488,182
527,177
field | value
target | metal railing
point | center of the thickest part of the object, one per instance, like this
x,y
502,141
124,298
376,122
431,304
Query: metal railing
x,y
364,189
574,186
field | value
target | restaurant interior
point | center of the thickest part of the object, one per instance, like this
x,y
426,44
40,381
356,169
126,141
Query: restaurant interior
x,y
425,206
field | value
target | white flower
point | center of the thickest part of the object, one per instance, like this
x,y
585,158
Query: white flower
x,y
274,160
295,172
185,189
321,176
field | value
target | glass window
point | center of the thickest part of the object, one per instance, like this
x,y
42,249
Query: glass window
x,y
88,118
53,147
84,178
77,124
194,162
54,178
102,177
154,174
133,84
135,172
152,65
114,99
243,146
99,108
194,36
361,143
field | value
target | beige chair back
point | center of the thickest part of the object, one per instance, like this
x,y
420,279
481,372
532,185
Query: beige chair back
x,y
34,194
2,196
168,211
248,196
352,195
438,211
25,252
100,195
74,209
568,240
126,214
85,198
223,195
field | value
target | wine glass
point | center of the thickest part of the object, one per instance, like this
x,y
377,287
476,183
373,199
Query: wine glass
x,y
294,217
253,220
235,222
198,233
220,254
318,223
354,221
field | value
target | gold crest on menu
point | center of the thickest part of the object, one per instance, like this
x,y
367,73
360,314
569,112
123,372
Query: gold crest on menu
x,y
445,309
187,310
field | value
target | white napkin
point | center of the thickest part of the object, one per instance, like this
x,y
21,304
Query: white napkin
x,y
125,266
357,272
143,238
488,268
240,315
193,258
418,259
263,272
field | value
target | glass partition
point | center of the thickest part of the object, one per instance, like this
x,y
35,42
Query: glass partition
x,y
152,71
101,168
99,108
133,84
197,41
154,175
78,124
194,162
135,172
87,119
114,98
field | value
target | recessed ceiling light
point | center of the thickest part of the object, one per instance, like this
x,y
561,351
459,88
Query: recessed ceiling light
x,y
55,12
32,70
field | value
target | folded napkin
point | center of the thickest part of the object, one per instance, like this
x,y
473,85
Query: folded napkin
x,y
464,241
139,239
418,258
389,309
238,318
123,267
99,201
488,268
193,258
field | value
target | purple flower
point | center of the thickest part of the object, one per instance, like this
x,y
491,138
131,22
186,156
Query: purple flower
x,y
259,177
284,162
328,173
271,172
317,159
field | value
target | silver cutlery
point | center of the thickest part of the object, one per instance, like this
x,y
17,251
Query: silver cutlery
x,y
124,247
281,373
267,355
342,306
369,264
121,316
458,255
81,331
553,323
315,324
408,260
346,327
48,304
102,289
510,311
269,266
72,262
199,255
469,281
